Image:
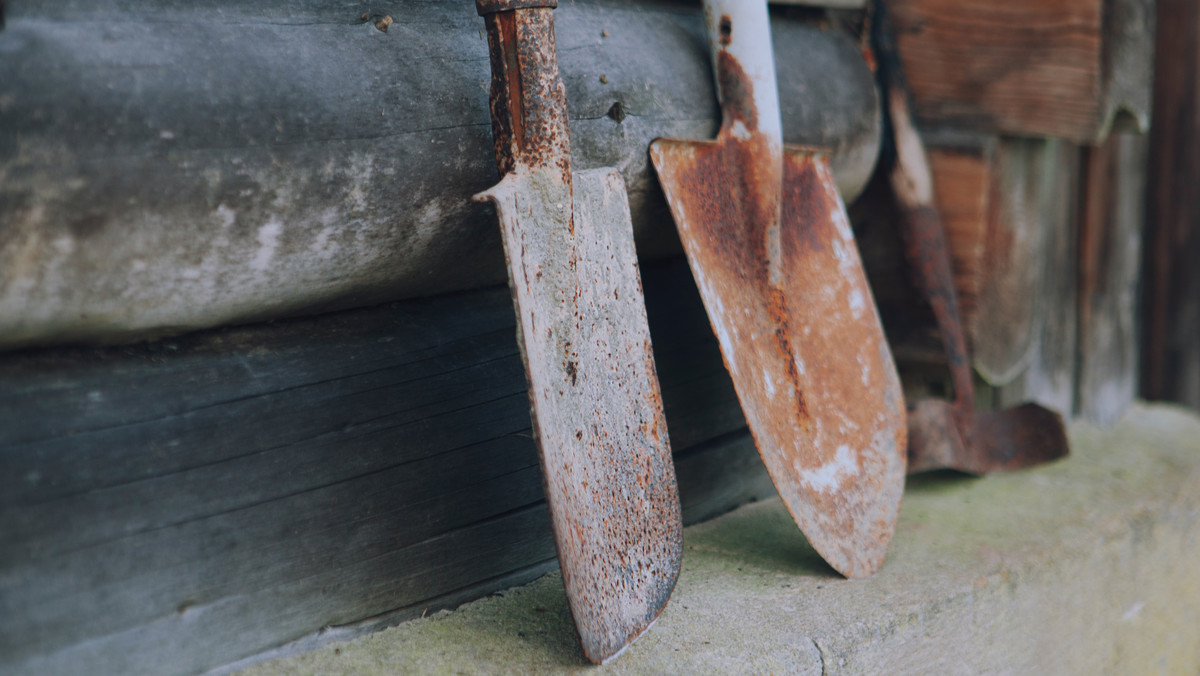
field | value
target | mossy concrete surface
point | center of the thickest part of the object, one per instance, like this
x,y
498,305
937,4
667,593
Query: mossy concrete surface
x,y
1087,566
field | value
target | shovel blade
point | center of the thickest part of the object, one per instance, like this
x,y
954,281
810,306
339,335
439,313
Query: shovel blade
x,y
800,336
990,441
595,399
934,441
1016,438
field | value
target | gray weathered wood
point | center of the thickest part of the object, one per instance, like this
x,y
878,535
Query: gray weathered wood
x,y
1009,306
1110,250
1050,377
177,506
177,165
1129,27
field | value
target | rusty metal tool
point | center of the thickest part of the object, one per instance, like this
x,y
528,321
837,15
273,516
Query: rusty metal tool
x,y
944,435
581,327
772,252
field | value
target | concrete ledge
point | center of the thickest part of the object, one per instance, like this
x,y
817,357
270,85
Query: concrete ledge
x,y
1088,566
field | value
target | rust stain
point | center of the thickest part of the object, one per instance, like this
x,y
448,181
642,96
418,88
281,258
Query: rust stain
x,y
737,93
725,29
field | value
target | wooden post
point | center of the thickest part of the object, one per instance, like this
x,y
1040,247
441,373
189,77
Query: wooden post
x,y
1171,324
1110,243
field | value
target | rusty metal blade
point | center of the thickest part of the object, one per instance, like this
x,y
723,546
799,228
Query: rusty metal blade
x,y
1016,438
800,335
595,399
582,331
998,441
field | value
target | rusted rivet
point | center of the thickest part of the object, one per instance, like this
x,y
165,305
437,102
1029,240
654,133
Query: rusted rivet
x,y
726,29
383,23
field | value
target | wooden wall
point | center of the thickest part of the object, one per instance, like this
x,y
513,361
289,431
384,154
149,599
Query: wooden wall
x,y
172,507
176,506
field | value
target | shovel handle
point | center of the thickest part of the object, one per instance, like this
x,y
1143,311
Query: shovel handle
x,y
528,100
739,38
925,247
921,227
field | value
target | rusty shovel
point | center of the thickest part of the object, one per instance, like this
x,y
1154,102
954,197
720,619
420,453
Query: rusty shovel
x,y
772,252
581,328
941,434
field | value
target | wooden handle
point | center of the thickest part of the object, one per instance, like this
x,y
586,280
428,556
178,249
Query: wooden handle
x,y
926,249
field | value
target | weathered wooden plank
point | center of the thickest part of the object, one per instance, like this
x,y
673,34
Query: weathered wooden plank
x,y
1010,206
963,178
173,507
1171,353
200,634
1010,213
1010,308
1110,250
177,165
1050,377
1058,68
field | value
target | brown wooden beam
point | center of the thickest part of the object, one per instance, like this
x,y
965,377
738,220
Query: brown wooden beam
x,y
1062,68
1171,324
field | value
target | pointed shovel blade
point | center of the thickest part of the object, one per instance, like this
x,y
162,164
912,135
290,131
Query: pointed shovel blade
x,y
595,399
801,338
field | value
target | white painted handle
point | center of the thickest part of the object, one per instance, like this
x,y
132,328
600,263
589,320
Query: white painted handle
x,y
742,29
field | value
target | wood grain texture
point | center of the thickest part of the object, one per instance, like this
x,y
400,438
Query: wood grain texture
x,y
177,506
1110,251
1053,167
1011,213
1009,310
170,166
1027,67
998,198
962,177
1171,353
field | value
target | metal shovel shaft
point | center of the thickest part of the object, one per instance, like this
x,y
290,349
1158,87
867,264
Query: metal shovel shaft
x,y
593,390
